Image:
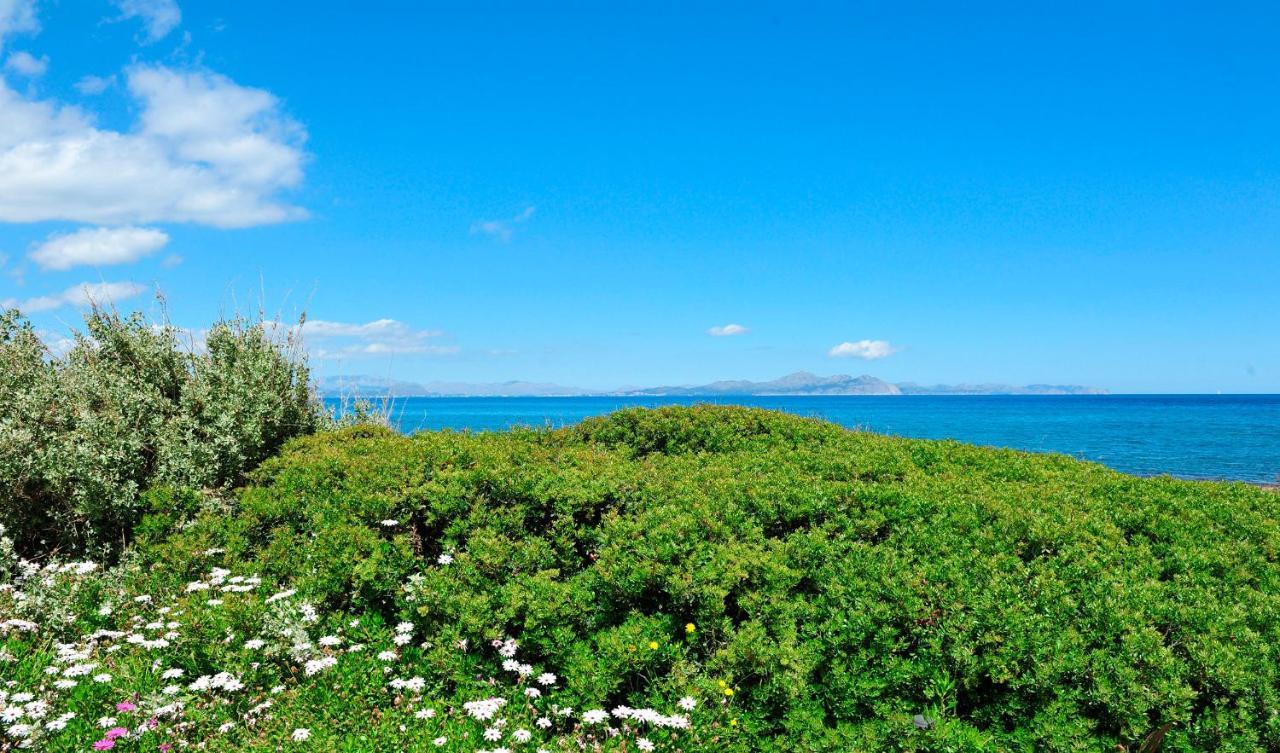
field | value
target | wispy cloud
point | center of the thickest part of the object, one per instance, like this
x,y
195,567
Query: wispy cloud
x,y
503,229
159,17
867,350
84,294
381,337
26,64
95,84
728,330
99,246
386,328
382,349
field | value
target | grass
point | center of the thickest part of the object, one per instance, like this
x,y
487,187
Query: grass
x,y
745,579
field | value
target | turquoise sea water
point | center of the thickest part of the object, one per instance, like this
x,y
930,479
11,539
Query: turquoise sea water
x,y
1193,436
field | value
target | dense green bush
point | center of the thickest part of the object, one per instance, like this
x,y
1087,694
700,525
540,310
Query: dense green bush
x,y
852,591
83,434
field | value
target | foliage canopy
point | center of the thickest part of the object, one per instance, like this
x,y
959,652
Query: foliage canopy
x,y
856,591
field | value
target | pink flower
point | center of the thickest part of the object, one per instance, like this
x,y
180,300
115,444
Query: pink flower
x,y
115,732
165,747
125,706
104,745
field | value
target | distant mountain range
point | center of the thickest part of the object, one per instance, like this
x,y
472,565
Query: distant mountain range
x,y
799,383
369,386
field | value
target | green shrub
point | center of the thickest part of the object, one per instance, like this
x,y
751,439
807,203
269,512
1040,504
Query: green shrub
x,y
83,434
226,660
853,591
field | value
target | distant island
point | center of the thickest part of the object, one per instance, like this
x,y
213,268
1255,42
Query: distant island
x,y
800,383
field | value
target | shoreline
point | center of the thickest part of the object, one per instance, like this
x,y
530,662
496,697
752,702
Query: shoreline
x,y
1140,435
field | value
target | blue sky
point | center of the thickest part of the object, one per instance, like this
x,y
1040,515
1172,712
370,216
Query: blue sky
x,y
580,194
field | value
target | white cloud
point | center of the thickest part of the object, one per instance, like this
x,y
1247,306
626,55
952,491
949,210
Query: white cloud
x,y
58,345
382,349
190,340
205,150
17,16
377,328
376,338
868,350
26,64
95,84
84,294
728,330
159,16
503,229
98,247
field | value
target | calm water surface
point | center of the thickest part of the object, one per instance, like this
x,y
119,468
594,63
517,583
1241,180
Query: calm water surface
x,y
1192,436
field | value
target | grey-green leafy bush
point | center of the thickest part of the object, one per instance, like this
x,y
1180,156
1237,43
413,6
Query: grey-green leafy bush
x,y
853,591
130,406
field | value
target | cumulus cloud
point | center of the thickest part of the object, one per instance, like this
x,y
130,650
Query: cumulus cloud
x,y
339,340
728,330
159,17
204,150
502,229
17,16
867,350
84,294
26,64
99,247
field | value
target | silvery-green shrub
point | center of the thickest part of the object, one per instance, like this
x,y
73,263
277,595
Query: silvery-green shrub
x,y
130,405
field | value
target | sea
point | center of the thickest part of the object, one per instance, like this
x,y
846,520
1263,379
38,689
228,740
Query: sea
x,y
1226,437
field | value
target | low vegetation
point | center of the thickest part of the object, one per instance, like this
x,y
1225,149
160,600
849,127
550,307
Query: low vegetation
x,y
689,579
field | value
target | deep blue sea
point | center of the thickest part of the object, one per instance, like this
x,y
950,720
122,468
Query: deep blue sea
x,y
1192,436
